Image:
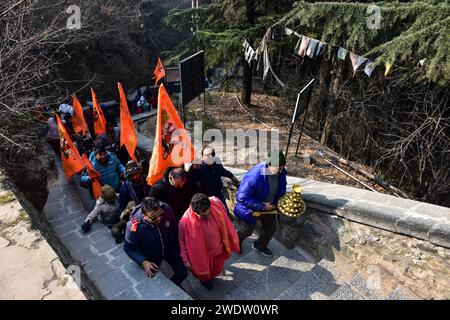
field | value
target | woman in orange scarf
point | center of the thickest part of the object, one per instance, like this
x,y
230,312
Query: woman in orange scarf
x,y
207,238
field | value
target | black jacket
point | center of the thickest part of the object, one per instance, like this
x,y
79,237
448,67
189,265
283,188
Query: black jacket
x,y
210,178
178,199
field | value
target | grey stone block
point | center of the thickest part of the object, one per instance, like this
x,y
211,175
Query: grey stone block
x,y
105,245
128,294
398,294
415,226
249,290
112,283
250,265
65,228
85,254
119,261
291,265
133,271
345,292
359,282
326,270
306,286
97,267
156,288
222,286
373,215
70,237
433,211
98,234
117,251
440,234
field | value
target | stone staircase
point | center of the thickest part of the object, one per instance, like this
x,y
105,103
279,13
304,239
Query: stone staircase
x,y
288,275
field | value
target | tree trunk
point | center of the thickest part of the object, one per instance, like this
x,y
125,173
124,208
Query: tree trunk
x,y
246,94
247,78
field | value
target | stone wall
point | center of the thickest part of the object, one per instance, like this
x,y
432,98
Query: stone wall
x,y
407,241
421,266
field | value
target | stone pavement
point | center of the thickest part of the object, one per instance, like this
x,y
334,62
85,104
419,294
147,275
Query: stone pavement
x,y
104,262
289,275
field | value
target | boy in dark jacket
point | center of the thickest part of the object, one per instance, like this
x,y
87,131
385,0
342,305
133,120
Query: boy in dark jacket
x,y
133,189
105,210
152,236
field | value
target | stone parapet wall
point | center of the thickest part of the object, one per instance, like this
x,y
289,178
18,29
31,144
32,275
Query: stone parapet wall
x,y
405,240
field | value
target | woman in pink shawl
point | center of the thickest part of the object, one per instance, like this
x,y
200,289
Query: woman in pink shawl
x,y
207,238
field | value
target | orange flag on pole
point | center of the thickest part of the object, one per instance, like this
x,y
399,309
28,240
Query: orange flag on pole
x,y
95,178
159,72
71,159
173,145
99,118
128,136
78,122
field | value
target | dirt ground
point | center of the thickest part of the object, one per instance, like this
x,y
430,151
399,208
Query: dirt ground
x,y
29,268
264,114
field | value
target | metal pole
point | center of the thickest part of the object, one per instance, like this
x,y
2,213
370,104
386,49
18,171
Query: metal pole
x,y
301,131
289,139
292,125
204,100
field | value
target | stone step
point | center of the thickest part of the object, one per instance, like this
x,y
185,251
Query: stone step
x,y
346,292
274,279
239,269
308,287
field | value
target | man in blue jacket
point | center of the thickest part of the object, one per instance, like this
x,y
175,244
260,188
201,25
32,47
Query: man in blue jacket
x,y
260,189
107,165
152,236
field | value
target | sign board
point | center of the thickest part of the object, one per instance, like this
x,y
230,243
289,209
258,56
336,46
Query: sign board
x,y
192,74
303,98
172,75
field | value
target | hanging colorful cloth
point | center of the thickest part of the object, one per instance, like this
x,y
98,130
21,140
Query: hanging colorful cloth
x,y
370,66
388,66
303,46
342,53
312,45
357,61
249,53
321,48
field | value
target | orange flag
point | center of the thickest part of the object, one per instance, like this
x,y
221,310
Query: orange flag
x,y
159,72
173,145
99,118
78,122
95,178
71,159
128,136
